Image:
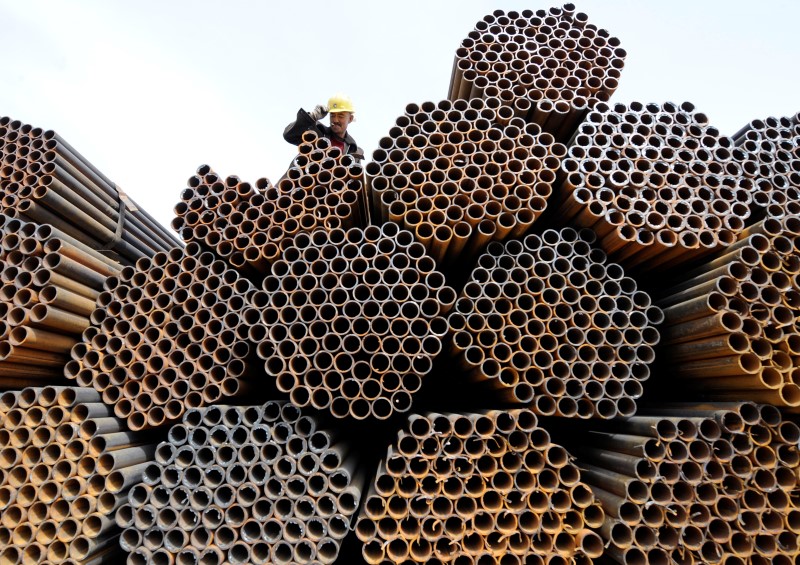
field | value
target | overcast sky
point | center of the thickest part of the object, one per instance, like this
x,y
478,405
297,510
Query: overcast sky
x,y
149,90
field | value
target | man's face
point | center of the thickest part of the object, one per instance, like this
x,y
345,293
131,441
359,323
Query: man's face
x,y
340,121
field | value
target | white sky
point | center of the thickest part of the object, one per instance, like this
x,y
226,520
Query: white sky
x,y
149,90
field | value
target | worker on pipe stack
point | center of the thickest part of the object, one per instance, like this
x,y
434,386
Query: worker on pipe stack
x,y
342,113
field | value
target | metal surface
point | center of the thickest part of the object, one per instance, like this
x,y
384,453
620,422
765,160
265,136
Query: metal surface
x,y
720,489
459,175
771,144
49,285
741,343
657,183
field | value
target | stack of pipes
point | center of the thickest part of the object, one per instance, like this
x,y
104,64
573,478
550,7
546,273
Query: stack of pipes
x,y
350,321
44,180
458,175
656,183
167,335
66,465
243,485
730,329
549,323
774,147
478,489
548,67
697,484
49,285
249,226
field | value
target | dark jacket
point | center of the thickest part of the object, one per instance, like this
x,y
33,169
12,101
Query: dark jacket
x,y
294,133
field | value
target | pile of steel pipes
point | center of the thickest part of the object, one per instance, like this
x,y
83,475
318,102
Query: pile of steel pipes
x,y
49,285
351,317
550,323
696,484
350,321
43,179
249,226
458,175
478,489
243,485
547,67
772,144
166,336
65,466
730,325
657,184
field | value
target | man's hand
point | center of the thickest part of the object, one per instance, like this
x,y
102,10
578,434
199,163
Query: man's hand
x,y
318,112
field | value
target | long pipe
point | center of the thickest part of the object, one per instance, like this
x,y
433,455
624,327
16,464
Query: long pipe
x,y
405,517
59,502
148,326
392,309
705,492
727,343
290,525
322,189
583,352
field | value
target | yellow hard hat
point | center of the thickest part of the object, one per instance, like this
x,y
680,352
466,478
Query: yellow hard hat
x,y
340,103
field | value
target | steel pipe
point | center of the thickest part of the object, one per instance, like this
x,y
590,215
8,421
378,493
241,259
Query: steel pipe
x,y
251,521
546,319
60,502
470,501
548,67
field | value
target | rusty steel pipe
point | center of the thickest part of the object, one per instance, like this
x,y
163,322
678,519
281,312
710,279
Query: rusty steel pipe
x,y
695,495
158,360
321,189
432,517
336,295
456,197
548,66
53,302
675,208
68,510
63,189
741,342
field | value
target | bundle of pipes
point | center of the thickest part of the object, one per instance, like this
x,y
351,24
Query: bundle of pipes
x,y
550,324
730,329
44,180
656,183
49,285
478,489
243,485
458,175
66,465
697,484
350,321
166,336
249,226
548,67
774,146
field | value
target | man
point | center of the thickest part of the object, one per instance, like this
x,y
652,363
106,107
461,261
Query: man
x,y
341,111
